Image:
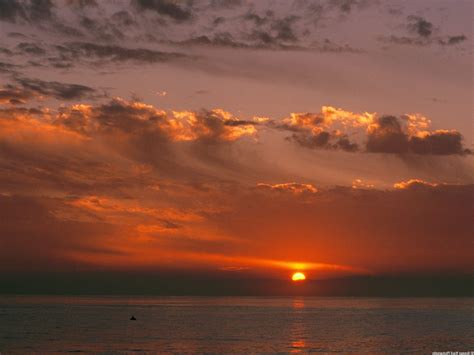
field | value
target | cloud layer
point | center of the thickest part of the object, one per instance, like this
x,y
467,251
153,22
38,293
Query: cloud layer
x,y
232,136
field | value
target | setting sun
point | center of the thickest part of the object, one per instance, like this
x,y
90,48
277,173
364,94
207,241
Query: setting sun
x,y
298,276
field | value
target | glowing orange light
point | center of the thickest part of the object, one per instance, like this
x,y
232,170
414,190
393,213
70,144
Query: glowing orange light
x,y
298,276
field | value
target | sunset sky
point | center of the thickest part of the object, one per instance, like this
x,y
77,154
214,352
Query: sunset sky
x,y
258,138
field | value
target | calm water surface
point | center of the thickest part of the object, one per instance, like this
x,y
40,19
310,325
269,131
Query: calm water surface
x,y
234,324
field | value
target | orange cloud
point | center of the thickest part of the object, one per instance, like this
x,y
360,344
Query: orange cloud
x,y
403,185
292,187
360,184
336,128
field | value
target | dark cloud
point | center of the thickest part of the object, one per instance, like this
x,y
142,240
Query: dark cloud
x,y
222,39
283,28
404,40
8,68
31,48
332,128
389,136
82,3
123,18
256,19
345,144
227,4
345,6
14,96
29,10
6,51
16,35
329,46
439,143
167,8
423,34
453,40
70,52
324,140
248,28
57,90
420,26
40,10
10,10
103,30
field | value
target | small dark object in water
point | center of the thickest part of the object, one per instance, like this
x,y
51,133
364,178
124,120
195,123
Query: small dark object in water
x,y
133,318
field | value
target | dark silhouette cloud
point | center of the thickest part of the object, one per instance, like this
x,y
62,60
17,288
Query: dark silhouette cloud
x,y
167,8
439,143
347,6
453,40
10,10
28,10
60,91
250,27
420,26
324,140
217,4
7,68
424,33
283,28
389,136
70,53
26,89
222,39
332,128
31,48
83,3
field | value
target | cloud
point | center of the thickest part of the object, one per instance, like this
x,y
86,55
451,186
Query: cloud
x,y
227,4
14,96
136,117
414,183
70,52
29,10
104,145
291,187
27,89
166,8
335,128
31,48
126,184
420,26
423,33
361,184
324,140
453,40
365,227
387,135
10,9
55,89
285,27
32,236
347,6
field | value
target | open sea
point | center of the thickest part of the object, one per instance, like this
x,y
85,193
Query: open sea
x,y
235,324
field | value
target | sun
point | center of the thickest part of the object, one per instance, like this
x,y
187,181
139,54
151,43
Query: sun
x,y
298,276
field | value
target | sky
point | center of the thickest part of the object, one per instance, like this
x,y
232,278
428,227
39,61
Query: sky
x,y
237,137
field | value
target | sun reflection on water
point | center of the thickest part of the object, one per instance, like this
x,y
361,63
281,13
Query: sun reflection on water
x,y
298,328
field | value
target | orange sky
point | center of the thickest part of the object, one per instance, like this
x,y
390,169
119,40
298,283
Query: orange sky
x,y
251,158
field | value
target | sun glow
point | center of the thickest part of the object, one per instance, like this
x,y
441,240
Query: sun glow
x,y
298,276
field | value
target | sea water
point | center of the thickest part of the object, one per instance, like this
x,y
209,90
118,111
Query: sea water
x,y
234,324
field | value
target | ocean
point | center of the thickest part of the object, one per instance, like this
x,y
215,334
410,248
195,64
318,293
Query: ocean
x,y
235,324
